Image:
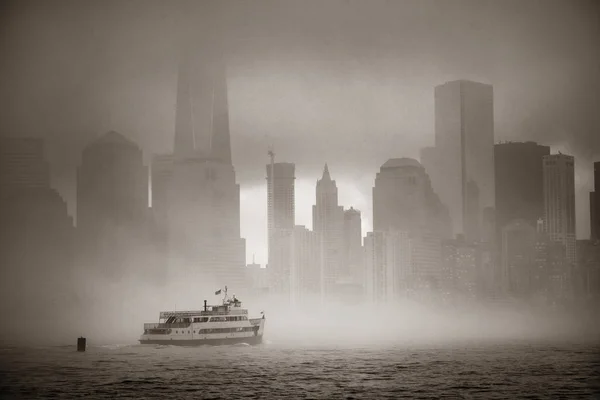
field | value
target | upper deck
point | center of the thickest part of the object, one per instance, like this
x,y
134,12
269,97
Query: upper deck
x,y
229,308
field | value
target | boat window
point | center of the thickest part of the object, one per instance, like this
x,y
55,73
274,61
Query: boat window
x,y
225,330
218,319
200,319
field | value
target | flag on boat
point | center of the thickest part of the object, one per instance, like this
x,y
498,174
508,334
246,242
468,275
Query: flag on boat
x,y
218,292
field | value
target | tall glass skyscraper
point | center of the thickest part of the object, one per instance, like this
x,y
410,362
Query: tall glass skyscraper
x,y
463,170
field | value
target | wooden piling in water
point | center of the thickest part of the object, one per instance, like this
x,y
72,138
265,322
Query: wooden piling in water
x,y
81,344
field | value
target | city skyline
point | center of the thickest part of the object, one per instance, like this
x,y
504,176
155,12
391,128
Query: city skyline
x,y
291,90
336,199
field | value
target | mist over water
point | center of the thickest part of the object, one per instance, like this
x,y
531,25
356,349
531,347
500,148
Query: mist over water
x,y
113,312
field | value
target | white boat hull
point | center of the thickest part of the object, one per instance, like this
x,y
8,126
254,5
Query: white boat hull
x,y
251,340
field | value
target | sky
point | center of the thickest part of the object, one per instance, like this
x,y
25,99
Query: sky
x,y
349,83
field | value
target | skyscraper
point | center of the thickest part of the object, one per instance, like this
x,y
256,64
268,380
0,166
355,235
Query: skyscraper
x,y
22,165
36,236
281,220
595,204
353,250
328,224
112,203
559,201
519,182
202,199
518,256
280,196
464,153
404,200
305,274
388,266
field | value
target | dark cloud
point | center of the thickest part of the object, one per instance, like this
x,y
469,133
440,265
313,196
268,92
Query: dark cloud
x,y
348,82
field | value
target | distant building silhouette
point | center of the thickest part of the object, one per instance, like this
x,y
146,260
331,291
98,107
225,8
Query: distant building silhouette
x,y
387,265
328,224
36,232
258,279
404,200
305,271
519,182
461,165
588,270
281,221
559,201
595,204
22,165
161,171
406,208
112,204
196,199
552,281
518,257
467,271
353,249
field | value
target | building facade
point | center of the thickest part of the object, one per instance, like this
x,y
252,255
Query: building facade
x,y
328,224
595,205
559,201
519,182
112,204
281,221
195,196
353,249
463,159
404,200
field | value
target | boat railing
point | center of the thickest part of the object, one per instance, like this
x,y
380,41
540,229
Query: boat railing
x,y
231,312
166,326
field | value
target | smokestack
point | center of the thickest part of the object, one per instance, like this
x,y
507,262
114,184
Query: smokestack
x,y
204,305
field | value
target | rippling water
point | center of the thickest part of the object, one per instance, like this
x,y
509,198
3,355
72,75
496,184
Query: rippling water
x,y
272,370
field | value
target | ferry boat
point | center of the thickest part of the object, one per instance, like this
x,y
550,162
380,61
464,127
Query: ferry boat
x,y
226,323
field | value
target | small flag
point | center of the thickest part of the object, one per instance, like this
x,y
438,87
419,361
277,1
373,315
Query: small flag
x,y
218,292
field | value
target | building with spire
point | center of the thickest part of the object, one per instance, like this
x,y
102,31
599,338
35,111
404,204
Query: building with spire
x,y
195,196
328,224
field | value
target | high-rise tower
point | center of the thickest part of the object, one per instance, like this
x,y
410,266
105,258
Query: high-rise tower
x,y
112,203
328,224
464,154
198,197
595,204
559,201
519,182
202,114
281,221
